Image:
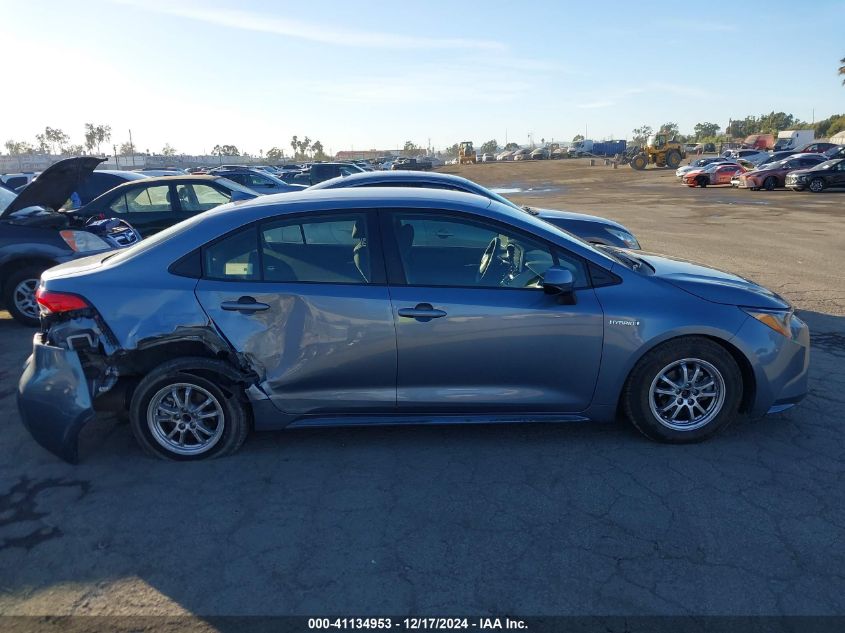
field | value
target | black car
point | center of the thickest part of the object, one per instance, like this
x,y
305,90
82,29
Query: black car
x,y
153,204
837,151
830,173
320,172
589,228
34,236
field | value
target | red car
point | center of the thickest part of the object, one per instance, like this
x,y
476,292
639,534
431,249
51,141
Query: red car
x,y
773,175
819,148
715,174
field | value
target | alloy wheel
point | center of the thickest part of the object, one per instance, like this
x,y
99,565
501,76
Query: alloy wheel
x,y
816,185
687,394
185,419
24,298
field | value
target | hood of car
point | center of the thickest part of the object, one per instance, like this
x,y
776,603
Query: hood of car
x,y
550,214
802,172
712,284
54,185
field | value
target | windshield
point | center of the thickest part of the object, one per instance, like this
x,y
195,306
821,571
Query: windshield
x,y
231,184
6,198
495,196
825,165
624,257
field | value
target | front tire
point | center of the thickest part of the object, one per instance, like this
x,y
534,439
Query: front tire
x,y
816,185
770,184
701,181
685,390
178,414
19,295
639,162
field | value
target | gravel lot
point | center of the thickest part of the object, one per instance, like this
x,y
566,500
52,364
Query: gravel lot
x,y
531,520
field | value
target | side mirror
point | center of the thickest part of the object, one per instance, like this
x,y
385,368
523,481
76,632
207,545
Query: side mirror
x,y
559,281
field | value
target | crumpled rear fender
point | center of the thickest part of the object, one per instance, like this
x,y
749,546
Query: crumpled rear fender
x,y
54,399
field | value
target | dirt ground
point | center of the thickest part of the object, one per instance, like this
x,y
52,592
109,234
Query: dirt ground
x,y
519,520
791,242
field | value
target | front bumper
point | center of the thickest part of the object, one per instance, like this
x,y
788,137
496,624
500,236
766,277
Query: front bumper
x,y
54,400
781,365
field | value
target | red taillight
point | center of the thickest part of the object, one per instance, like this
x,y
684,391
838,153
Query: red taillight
x,y
55,302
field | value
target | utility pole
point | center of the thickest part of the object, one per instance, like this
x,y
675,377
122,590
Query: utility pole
x,y
116,163
132,147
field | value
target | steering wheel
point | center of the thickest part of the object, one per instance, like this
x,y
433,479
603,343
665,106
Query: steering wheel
x,y
491,255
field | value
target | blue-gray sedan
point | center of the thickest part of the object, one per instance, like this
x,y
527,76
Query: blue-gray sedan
x,y
396,306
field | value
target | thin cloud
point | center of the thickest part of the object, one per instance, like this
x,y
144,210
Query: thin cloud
x,y
310,31
594,105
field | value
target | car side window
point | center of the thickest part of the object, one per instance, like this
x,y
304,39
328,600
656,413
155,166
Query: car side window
x,y
444,250
233,258
119,205
154,199
256,180
330,249
195,198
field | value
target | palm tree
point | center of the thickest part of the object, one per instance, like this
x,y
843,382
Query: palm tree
x,y
842,69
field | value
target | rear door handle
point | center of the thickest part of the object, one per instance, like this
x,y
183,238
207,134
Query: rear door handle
x,y
422,311
244,304
443,234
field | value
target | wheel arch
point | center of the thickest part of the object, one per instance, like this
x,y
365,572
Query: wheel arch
x,y
13,264
749,381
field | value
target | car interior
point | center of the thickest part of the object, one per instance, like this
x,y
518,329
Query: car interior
x,y
434,250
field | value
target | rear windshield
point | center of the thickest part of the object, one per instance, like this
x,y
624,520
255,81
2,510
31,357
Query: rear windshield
x,y
151,242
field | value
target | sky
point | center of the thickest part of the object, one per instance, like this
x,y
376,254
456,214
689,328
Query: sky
x,y
373,74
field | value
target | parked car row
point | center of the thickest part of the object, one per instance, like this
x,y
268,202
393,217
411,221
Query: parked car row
x,y
755,170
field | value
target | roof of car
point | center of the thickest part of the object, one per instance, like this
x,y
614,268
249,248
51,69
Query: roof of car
x,y
129,175
399,195
383,176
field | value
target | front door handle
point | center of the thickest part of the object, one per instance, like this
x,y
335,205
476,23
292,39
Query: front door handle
x,y
422,311
443,234
244,304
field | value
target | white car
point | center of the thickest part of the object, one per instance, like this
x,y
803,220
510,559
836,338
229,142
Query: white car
x,y
506,155
488,158
699,163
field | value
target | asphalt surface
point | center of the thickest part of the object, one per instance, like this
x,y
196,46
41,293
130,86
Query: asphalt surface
x,y
534,520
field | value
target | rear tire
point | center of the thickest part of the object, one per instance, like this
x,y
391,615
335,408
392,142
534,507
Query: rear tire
x,y
19,295
179,415
816,185
770,184
699,415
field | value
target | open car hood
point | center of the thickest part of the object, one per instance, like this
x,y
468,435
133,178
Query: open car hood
x,y
55,184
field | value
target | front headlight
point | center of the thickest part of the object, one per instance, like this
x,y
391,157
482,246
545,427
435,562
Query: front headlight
x,y
778,320
83,241
629,240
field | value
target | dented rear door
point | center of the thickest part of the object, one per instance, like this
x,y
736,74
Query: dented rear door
x,y
306,312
